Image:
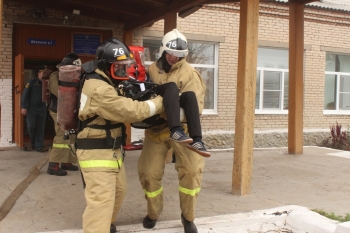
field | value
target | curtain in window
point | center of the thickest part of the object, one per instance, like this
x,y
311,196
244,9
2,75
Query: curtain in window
x,y
330,62
208,78
344,63
344,92
330,91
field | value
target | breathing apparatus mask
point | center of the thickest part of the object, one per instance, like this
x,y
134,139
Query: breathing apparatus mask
x,y
119,70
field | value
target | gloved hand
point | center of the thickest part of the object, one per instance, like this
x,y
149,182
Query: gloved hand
x,y
159,89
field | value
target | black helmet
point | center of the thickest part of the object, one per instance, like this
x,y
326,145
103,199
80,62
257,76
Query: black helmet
x,y
39,68
114,58
70,59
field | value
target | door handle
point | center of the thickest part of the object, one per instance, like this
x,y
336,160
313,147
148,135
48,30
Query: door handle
x,y
16,89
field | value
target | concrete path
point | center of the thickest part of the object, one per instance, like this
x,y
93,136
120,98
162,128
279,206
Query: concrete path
x,y
281,182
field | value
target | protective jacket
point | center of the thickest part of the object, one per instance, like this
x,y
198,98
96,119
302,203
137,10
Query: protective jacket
x,y
189,164
102,167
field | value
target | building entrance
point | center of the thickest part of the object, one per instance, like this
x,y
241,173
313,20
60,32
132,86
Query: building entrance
x,y
36,45
29,72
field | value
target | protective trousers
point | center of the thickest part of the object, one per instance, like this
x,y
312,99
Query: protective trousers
x,y
189,166
61,152
36,119
105,179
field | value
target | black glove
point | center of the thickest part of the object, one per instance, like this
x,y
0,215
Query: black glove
x,y
159,89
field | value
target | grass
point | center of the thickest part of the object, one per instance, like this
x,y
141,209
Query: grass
x,y
332,216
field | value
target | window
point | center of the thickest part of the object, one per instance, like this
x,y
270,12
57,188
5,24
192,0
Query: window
x,y
272,81
337,84
203,56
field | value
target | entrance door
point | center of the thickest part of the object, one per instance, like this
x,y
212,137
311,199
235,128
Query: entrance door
x,y
24,71
18,118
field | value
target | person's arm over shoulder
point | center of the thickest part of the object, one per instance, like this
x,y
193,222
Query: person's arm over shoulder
x,y
109,105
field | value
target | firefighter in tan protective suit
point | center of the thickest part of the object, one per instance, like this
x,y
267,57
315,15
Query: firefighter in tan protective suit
x,y
62,152
172,67
102,112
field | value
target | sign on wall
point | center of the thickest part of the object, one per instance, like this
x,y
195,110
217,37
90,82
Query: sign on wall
x,y
41,41
85,44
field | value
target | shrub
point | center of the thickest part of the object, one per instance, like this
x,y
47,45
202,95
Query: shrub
x,y
339,138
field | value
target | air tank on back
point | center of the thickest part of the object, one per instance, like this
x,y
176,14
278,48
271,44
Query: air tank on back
x,y
68,87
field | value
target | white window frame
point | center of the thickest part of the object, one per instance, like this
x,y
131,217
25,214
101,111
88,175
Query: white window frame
x,y
260,109
336,111
214,110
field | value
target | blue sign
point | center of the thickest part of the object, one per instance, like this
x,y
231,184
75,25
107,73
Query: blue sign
x,y
41,42
85,43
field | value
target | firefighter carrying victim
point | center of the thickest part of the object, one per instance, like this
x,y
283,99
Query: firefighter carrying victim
x,y
172,67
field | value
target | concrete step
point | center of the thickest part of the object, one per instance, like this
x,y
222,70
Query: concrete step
x,y
286,219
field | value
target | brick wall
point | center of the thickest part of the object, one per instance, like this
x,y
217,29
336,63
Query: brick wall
x,y
6,102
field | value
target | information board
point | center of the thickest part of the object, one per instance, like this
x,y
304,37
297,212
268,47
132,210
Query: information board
x,y
85,44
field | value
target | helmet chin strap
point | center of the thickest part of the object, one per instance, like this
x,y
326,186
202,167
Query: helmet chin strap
x,y
165,65
104,74
114,81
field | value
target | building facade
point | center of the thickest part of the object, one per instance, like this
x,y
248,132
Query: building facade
x,y
212,33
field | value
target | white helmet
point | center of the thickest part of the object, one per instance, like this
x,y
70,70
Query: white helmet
x,y
174,43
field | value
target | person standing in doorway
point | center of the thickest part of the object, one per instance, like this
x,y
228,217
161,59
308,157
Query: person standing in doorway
x,y
62,152
35,109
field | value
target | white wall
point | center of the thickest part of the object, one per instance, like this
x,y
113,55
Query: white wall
x,y
6,112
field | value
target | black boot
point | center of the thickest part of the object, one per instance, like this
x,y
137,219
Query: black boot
x,y
189,227
113,228
54,169
69,167
149,223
